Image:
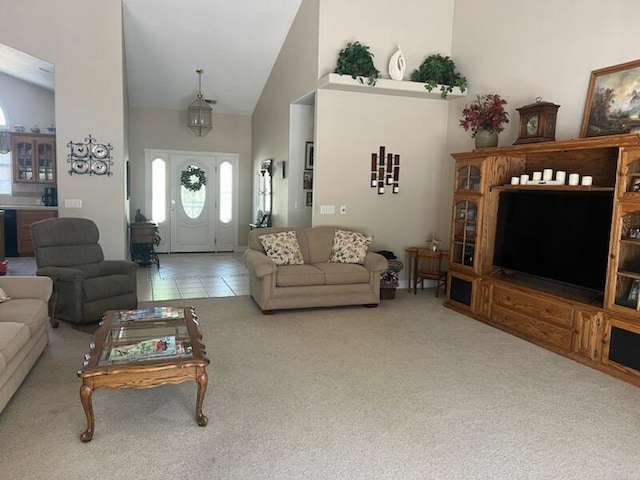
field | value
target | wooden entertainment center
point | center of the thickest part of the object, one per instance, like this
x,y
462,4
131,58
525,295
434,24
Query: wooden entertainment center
x,y
601,332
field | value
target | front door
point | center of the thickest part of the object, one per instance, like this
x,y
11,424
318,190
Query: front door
x,y
200,219
192,211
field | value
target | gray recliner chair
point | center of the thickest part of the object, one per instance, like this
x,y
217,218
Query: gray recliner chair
x,y
85,284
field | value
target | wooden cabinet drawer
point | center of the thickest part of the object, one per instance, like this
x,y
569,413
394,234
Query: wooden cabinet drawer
x,y
538,308
532,329
25,218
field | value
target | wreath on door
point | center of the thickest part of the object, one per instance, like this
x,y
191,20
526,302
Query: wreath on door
x,y
193,178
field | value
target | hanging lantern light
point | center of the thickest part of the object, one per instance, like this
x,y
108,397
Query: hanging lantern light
x,y
200,112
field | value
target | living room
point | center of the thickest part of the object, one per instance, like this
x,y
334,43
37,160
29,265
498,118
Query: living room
x,y
521,51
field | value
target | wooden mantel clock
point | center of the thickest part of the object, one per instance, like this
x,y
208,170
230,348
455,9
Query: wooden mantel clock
x,y
537,122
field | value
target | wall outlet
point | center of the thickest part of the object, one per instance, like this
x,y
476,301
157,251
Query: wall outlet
x,y
343,209
73,203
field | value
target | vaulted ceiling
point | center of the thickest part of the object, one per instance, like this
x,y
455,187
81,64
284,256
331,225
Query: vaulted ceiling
x,y
235,42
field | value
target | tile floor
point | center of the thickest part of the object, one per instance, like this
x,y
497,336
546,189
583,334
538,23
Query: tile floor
x,y
181,275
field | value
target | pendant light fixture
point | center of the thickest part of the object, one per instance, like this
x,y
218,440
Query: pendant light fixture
x,y
200,112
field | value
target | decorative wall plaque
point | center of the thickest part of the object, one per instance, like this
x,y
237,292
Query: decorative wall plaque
x,y
90,157
385,170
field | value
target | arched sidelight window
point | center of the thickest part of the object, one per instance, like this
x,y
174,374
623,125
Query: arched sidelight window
x,y
5,160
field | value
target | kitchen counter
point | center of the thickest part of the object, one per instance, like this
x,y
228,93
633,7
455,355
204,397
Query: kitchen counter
x,y
26,207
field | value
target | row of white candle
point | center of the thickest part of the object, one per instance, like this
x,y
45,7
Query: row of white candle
x,y
547,175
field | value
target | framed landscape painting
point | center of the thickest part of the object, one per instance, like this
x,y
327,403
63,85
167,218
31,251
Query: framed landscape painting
x,y
613,101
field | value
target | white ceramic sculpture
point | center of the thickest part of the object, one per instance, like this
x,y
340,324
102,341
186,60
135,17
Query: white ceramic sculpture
x,y
397,65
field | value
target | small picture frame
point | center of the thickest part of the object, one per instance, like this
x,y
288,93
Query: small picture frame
x,y
308,156
309,202
307,180
635,183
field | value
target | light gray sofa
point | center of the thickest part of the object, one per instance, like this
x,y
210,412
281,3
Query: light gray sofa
x,y
316,283
23,329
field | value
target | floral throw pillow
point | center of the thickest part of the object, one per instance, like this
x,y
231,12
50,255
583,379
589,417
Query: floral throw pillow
x,y
349,247
282,248
3,296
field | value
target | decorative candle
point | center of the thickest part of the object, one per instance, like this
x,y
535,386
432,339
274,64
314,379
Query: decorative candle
x,y
561,176
574,179
547,174
515,180
537,176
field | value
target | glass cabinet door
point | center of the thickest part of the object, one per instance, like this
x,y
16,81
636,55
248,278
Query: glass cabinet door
x,y
468,178
627,275
464,232
45,162
24,161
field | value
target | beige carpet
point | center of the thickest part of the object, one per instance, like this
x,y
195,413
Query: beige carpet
x,y
409,390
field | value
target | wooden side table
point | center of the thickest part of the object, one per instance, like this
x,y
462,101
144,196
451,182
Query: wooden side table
x,y
427,264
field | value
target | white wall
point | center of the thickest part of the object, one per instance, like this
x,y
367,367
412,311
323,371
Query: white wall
x,y
83,39
351,126
294,75
509,47
301,131
167,130
26,103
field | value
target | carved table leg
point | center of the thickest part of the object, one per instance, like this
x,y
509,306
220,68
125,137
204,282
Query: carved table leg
x,y
85,398
202,379
53,303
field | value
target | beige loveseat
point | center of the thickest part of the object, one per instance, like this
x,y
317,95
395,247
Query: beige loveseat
x,y
23,329
316,283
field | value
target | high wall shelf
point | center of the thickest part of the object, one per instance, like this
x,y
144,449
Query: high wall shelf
x,y
602,333
383,86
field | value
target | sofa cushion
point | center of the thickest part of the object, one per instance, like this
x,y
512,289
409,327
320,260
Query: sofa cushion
x,y
298,275
282,248
343,273
13,337
349,247
31,312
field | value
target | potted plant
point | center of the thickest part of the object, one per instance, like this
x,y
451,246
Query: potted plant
x,y
356,60
438,70
388,284
485,118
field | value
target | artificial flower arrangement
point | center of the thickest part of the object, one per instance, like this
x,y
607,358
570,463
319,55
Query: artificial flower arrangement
x,y
389,279
486,113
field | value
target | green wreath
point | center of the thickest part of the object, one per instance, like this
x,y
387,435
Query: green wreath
x,y
193,178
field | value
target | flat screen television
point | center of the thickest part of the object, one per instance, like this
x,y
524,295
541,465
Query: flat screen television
x,y
556,235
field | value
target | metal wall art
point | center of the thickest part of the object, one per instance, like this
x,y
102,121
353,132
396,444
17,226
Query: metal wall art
x,y
90,157
385,170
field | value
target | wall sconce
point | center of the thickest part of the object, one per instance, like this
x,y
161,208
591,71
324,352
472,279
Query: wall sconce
x,y
266,166
200,112
385,170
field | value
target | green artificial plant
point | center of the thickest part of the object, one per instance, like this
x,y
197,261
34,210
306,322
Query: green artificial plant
x,y
438,70
356,60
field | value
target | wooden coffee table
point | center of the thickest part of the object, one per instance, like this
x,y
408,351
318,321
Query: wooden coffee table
x,y
142,354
